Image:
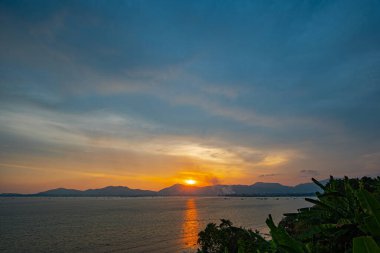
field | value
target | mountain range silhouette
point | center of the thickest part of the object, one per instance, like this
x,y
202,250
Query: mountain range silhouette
x,y
256,189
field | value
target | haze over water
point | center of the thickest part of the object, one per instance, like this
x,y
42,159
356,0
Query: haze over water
x,y
158,224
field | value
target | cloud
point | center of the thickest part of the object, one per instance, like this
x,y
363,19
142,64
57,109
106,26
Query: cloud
x,y
106,130
70,128
227,91
309,173
269,175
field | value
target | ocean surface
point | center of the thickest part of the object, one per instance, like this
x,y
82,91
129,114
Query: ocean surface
x,y
146,224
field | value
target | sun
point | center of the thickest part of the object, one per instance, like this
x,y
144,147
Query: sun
x,y
190,181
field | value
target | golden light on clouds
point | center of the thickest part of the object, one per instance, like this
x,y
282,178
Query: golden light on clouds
x,y
272,160
80,160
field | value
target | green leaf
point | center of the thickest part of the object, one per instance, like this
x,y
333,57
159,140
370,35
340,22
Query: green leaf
x,y
369,203
371,208
282,239
342,222
319,184
332,207
316,229
365,244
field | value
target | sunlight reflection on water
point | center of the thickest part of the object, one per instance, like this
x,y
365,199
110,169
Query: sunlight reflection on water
x,y
190,224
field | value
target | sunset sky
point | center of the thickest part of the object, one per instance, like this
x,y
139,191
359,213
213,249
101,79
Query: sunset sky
x,y
146,94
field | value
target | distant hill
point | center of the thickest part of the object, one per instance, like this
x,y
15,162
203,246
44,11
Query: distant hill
x,y
179,189
270,188
12,195
117,191
257,189
60,192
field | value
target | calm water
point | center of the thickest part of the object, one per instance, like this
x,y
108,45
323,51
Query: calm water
x,y
168,224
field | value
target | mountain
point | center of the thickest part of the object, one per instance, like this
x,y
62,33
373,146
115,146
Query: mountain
x,y
12,194
307,187
259,188
180,190
185,190
60,192
120,191
270,188
256,189
310,187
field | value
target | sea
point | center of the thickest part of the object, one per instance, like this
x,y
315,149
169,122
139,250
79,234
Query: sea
x,y
138,224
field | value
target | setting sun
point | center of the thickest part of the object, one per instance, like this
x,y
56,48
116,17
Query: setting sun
x,y
190,181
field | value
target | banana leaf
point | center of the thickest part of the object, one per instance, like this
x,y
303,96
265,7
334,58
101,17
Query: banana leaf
x,y
283,240
371,208
365,244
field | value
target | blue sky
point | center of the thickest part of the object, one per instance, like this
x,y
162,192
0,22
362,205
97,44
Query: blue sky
x,y
149,93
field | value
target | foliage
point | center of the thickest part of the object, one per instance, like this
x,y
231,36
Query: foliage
x,y
227,238
365,244
283,242
338,215
371,209
345,217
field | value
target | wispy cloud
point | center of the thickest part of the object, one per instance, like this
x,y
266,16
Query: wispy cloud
x,y
309,173
269,175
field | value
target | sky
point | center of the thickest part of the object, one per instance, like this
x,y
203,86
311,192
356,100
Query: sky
x,y
147,94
